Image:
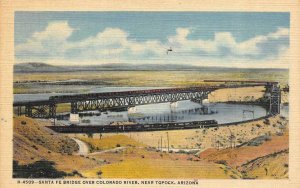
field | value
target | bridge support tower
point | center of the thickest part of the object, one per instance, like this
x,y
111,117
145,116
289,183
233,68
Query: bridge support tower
x,y
40,111
275,99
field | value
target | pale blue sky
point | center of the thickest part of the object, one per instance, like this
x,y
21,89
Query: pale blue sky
x,y
198,38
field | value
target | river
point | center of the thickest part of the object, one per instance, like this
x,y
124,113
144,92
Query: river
x,y
164,112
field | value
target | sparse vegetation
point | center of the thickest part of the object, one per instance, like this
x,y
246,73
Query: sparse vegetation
x,y
267,121
109,142
133,78
38,169
222,162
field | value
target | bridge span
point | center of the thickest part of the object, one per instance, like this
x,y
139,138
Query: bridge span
x,y
127,99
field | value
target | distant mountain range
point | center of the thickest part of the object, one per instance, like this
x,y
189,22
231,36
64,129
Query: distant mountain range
x,y
37,67
43,67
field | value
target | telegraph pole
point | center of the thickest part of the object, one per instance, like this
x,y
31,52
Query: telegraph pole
x,y
161,143
158,144
168,142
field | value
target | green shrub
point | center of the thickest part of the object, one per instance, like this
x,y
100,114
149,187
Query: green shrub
x,y
222,162
99,173
38,169
267,121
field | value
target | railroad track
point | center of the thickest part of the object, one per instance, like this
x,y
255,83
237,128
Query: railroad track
x,y
133,127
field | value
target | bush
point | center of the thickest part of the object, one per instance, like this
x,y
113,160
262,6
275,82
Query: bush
x,y
279,133
222,162
118,145
35,147
281,117
267,121
75,172
193,152
99,173
225,171
268,138
255,143
90,135
180,151
259,140
38,169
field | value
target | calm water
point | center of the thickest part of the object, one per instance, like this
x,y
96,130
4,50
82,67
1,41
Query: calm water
x,y
185,111
163,112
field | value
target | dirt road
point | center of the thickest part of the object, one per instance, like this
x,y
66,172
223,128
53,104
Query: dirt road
x,y
83,147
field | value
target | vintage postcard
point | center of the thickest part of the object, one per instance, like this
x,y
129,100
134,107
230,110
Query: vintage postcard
x,y
132,94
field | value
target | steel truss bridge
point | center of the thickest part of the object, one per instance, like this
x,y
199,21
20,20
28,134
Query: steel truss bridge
x,y
127,99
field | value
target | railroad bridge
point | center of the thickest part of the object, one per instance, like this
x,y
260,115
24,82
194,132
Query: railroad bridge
x,y
127,99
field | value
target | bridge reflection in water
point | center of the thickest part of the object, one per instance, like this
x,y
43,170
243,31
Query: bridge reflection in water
x,y
174,116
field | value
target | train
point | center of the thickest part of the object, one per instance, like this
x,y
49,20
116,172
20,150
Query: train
x,y
134,127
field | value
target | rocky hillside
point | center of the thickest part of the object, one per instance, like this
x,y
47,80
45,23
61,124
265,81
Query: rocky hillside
x,y
36,148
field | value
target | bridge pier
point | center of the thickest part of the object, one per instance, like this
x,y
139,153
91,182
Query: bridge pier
x,y
74,109
131,110
205,101
28,111
202,99
74,118
19,110
173,105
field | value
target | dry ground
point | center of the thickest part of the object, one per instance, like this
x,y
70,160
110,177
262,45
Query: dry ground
x,y
237,94
272,166
235,157
141,162
137,159
33,142
154,78
208,137
136,78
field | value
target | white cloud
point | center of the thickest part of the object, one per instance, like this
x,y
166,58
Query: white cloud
x,y
224,40
49,43
55,31
114,45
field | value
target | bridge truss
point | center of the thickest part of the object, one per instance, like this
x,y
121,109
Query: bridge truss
x,y
130,101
